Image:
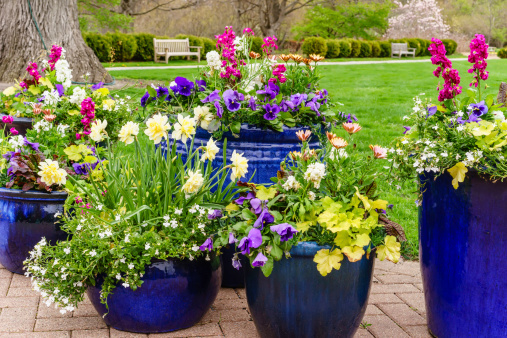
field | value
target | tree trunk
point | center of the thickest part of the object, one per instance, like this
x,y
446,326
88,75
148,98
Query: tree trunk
x,y
58,23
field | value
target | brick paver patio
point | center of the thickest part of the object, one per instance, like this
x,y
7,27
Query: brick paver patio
x,y
396,309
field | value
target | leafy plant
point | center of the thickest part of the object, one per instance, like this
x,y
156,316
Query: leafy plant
x,y
313,45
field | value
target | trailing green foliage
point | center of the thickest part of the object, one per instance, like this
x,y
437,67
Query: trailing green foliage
x,y
314,45
333,49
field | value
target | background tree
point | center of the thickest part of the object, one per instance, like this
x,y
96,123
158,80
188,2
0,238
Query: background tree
x,y
58,23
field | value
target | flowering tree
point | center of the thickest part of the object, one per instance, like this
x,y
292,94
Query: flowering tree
x,y
417,18
58,23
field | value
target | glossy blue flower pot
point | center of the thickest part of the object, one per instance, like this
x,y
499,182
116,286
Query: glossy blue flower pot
x,y
264,149
175,295
21,124
232,278
462,237
26,217
296,301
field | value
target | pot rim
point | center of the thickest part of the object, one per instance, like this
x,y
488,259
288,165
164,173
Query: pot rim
x,y
33,195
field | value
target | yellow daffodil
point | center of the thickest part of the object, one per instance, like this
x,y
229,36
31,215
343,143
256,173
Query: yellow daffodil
x,y
193,183
184,128
391,250
75,153
97,130
239,166
50,173
327,261
458,173
128,132
210,151
157,128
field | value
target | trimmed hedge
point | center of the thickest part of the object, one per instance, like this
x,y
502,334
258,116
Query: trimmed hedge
x,y
355,46
100,44
385,49
314,45
124,46
375,48
193,41
502,53
424,47
414,43
345,48
365,49
209,45
450,46
145,48
333,49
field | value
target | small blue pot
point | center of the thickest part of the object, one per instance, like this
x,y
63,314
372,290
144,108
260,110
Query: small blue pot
x,y
296,301
462,235
26,217
175,295
264,149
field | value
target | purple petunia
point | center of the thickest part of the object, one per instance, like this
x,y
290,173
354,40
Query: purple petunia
x,y
271,111
407,129
285,230
208,244
260,260
432,110
183,86
256,205
232,239
251,103
218,107
144,99
33,145
253,240
249,196
286,106
214,96
314,105
236,263
298,99
232,99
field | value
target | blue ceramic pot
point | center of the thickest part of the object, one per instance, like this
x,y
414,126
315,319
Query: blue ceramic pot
x,y
296,301
462,234
26,217
175,295
264,149
21,124
232,278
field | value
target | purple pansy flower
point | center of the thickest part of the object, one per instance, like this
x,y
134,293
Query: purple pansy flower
x,y
33,145
407,129
162,92
201,85
208,244
260,260
478,109
253,240
285,230
218,107
264,218
432,110
183,86
286,106
271,111
232,238
60,89
271,90
236,263
97,86
251,103
144,99
298,99
249,196
215,214
232,98
214,96
80,169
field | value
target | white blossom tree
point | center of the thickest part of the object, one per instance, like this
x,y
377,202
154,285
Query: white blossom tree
x,y
417,18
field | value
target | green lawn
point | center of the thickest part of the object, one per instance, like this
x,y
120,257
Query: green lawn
x,y
379,95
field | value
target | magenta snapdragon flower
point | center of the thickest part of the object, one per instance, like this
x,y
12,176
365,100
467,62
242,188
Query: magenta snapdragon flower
x,y
54,56
451,77
478,56
269,45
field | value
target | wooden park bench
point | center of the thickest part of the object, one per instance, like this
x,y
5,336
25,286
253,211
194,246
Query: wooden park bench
x,y
401,49
168,48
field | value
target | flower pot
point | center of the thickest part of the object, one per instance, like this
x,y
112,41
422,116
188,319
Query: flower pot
x,y
21,124
462,234
296,301
26,217
232,278
264,149
175,295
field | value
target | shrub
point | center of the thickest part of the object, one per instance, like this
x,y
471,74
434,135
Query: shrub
x,y
502,53
333,49
450,46
100,44
145,49
315,45
209,45
414,43
345,48
385,49
424,47
375,48
124,46
257,44
193,41
355,48
365,49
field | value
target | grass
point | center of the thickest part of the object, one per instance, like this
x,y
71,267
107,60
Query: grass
x,y
379,95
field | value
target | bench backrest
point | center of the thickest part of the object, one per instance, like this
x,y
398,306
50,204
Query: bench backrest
x,y
171,46
399,46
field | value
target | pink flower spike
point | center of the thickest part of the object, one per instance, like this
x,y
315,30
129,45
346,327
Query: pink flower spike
x,y
7,119
14,131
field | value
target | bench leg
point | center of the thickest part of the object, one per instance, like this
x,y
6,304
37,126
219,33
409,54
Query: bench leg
x,y
166,58
199,58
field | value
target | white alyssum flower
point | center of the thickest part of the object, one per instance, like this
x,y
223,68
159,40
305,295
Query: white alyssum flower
x,y
178,211
147,246
315,173
93,253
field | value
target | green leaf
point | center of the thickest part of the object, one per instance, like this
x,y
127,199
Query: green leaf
x,y
276,252
247,214
236,127
268,267
151,91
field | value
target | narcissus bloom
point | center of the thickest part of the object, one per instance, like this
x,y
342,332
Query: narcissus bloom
x,y
210,151
97,130
50,173
157,128
184,128
239,166
128,132
193,183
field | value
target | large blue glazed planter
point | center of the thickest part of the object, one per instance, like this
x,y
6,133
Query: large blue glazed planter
x,y
296,301
462,238
175,295
231,277
21,124
26,217
264,149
